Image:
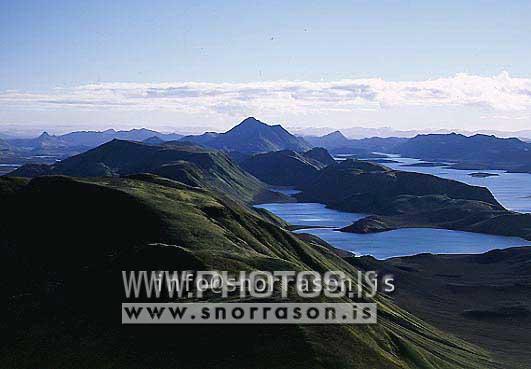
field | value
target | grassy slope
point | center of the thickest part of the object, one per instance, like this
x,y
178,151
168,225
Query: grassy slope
x,y
77,235
183,162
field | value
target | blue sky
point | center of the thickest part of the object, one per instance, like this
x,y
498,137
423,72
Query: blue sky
x,y
52,50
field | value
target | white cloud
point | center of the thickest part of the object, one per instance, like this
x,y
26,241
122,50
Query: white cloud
x,y
499,93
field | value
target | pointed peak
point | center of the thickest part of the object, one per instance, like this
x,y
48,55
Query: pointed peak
x,y
249,124
336,137
45,136
251,121
335,134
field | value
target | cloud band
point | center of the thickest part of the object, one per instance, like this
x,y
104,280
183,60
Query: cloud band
x,y
501,92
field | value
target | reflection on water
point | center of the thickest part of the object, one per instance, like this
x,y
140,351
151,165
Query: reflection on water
x,y
512,190
413,241
312,214
386,244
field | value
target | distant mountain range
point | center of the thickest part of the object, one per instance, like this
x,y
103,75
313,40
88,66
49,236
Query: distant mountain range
x,y
89,139
251,136
474,152
48,148
43,142
93,139
338,143
332,140
356,132
466,152
365,132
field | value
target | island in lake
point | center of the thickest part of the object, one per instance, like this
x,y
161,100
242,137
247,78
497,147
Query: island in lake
x,y
483,175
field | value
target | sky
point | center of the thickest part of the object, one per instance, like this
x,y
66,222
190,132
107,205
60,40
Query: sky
x,y
190,65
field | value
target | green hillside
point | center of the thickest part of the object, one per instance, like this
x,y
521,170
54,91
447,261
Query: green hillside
x,y
192,165
69,239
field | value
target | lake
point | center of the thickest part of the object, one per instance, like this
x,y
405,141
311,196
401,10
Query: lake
x,y
384,245
512,190
311,214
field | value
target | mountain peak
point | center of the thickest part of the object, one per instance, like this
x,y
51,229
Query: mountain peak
x,y
251,122
249,125
336,134
252,136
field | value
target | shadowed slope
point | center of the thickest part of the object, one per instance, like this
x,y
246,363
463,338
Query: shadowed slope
x,y
71,239
483,298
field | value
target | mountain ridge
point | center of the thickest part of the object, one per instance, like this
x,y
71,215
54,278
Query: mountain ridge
x,y
251,136
470,152
338,143
193,165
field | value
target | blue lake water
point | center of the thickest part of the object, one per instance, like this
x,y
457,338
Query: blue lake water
x,y
513,190
311,214
413,241
384,245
